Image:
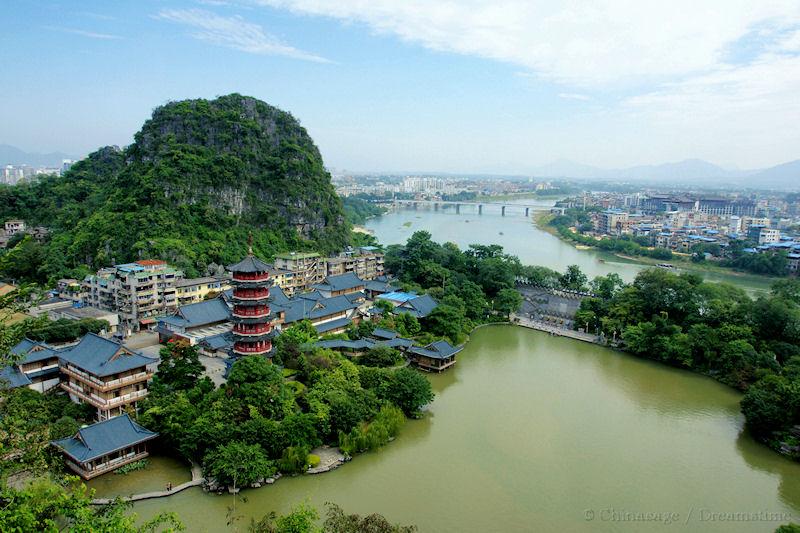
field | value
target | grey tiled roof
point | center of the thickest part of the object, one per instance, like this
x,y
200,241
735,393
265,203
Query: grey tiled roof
x,y
333,324
23,346
250,264
298,309
420,307
103,438
28,349
199,314
13,378
218,342
95,355
437,350
358,344
202,313
341,282
384,333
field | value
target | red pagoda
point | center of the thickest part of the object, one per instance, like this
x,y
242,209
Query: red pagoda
x,y
252,325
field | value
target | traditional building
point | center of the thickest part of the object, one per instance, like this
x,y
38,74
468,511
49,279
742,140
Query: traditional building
x,y
35,367
196,322
409,302
340,285
105,374
252,320
105,446
435,357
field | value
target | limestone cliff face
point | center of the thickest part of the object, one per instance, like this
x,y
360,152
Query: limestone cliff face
x,y
200,176
239,155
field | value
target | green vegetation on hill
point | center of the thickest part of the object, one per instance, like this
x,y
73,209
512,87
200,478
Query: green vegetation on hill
x,y
198,178
357,210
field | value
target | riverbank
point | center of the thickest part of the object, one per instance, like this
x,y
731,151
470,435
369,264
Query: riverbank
x,y
684,262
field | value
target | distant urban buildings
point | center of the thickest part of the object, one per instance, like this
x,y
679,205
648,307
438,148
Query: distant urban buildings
x,y
686,223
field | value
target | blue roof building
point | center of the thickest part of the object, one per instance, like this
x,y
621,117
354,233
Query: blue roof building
x,y
35,366
435,357
194,322
105,446
105,374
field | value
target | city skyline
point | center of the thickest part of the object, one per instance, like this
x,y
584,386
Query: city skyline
x,y
459,87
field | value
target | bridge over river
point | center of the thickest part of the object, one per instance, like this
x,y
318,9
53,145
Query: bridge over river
x,y
516,209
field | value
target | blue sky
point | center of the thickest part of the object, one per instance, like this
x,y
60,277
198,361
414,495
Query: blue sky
x,y
453,85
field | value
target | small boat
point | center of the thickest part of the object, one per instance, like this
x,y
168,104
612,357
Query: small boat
x,y
501,233
666,266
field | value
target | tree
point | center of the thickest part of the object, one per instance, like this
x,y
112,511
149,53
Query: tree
x,y
409,391
337,521
606,287
771,405
446,321
507,301
23,261
258,385
407,324
495,274
573,279
238,464
380,356
44,505
180,367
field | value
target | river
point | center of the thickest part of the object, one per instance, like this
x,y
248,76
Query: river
x,y
530,432
519,236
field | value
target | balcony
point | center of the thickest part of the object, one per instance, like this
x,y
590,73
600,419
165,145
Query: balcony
x,y
102,468
105,385
103,403
248,276
252,350
251,313
250,295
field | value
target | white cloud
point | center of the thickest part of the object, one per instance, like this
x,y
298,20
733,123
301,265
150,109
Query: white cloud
x,y
234,32
84,33
577,43
575,96
712,78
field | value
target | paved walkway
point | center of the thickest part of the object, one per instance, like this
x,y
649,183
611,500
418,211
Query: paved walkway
x,y
197,480
553,330
330,459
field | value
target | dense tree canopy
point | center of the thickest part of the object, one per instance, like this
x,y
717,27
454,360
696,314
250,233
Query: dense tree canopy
x,y
200,176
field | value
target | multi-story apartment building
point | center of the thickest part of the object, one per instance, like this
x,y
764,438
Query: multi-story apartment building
x,y
613,222
366,263
768,235
137,291
105,375
195,290
307,268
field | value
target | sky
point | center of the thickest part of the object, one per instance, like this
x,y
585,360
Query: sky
x,y
483,86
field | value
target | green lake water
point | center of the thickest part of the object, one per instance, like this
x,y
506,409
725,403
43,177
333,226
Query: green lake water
x,y
530,432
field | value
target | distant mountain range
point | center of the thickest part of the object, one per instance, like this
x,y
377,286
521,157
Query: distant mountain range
x,y
11,155
786,175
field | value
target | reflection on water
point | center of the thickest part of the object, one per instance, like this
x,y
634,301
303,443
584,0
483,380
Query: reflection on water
x,y
529,431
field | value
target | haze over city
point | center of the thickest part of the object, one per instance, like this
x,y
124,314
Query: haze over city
x,y
460,86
